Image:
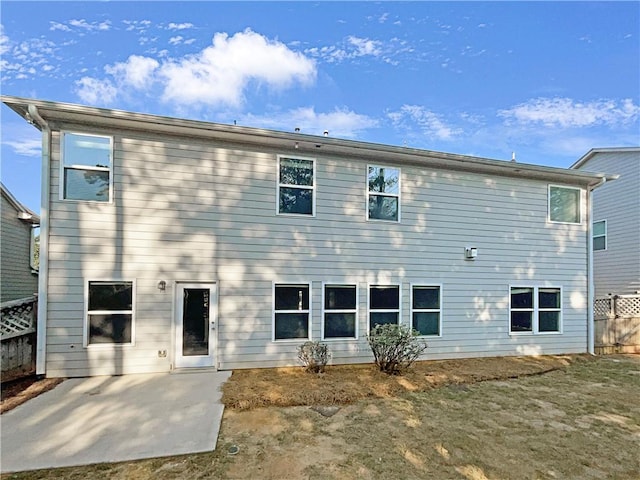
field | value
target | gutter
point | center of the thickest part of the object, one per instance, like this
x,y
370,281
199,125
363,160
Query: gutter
x,y
590,285
43,277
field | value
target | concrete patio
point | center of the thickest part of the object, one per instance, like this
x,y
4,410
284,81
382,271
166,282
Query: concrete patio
x,y
114,419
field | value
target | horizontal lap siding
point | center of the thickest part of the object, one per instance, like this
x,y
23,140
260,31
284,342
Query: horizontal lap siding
x,y
617,269
188,211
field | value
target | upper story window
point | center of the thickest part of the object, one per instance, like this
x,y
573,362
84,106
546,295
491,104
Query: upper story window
x,y
564,204
600,235
383,192
86,167
296,185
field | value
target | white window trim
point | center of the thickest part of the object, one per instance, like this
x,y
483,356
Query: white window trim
x,y
32,249
439,309
580,199
303,187
369,309
355,311
606,232
85,334
273,312
398,195
63,166
535,318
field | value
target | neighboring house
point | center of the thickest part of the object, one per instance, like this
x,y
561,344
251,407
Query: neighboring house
x,y
18,273
170,243
616,220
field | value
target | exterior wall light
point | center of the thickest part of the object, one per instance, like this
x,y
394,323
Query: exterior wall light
x,y
162,285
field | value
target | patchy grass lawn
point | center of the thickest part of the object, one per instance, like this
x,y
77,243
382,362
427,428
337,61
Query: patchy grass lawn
x,y
580,420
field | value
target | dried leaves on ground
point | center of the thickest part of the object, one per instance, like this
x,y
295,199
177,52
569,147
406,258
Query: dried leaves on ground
x,y
344,384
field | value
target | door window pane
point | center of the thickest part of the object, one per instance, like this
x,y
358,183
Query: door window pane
x,y
195,322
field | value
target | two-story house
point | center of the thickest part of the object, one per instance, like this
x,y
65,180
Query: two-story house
x,y
616,220
18,271
170,243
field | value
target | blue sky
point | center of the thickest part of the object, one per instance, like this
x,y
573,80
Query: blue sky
x,y
548,80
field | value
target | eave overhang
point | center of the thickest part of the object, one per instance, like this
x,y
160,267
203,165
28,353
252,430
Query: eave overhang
x,y
59,115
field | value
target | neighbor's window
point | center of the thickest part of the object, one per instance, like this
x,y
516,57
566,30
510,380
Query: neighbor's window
x,y
600,235
564,204
291,311
87,163
426,309
384,304
383,201
535,310
110,313
296,186
340,311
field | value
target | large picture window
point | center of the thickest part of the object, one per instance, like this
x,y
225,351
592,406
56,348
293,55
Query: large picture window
x,y
564,204
383,186
291,311
384,304
340,311
535,310
296,183
86,167
110,312
426,309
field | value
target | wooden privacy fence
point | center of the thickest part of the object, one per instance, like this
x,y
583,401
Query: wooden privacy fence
x,y
617,324
18,336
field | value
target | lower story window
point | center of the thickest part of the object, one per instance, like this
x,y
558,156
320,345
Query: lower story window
x,y
535,310
110,313
340,311
291,311
425,309
384,304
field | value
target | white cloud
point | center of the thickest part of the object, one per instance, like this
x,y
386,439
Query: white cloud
x,y
93,26
94,91
339,122
352,47
428,122
27,147
136,72
59,26
180,26
217,75
220,73
140,26
175,40
567,113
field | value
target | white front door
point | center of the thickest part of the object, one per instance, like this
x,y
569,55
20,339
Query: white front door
x,y
195,324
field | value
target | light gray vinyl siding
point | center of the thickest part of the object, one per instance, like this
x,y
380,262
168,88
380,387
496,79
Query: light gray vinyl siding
x,y
617,269
187,210
17,280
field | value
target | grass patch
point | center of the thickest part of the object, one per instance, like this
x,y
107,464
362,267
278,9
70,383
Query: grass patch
x,y
345,384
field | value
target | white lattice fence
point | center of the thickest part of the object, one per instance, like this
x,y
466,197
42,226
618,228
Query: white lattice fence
x,y
617,324
17,331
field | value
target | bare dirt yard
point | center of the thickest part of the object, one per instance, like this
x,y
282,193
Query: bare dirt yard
x,y
573,417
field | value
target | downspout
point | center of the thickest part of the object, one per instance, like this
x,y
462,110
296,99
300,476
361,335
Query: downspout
x,y
43,276
590,286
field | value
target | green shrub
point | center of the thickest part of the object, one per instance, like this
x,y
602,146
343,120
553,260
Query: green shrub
x,y
395,347
314,356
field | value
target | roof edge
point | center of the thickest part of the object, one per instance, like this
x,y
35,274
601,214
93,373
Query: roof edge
x,y
587,156
24,213
67,112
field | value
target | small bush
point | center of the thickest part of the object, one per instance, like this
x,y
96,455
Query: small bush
x,y
395,347
314,356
